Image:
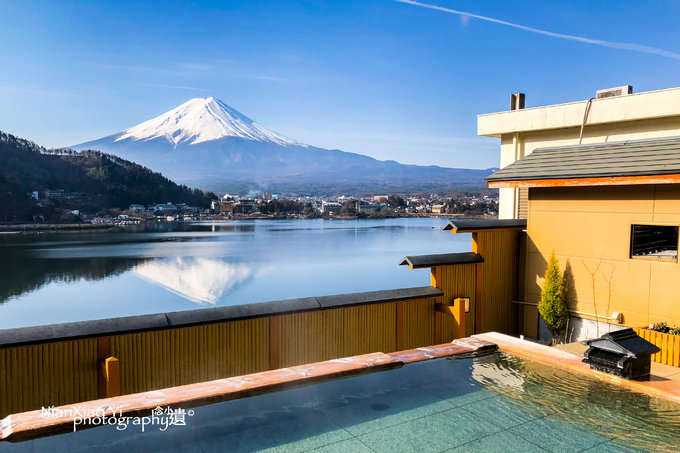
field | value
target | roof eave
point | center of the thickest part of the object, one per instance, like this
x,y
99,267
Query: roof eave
x,y
580,182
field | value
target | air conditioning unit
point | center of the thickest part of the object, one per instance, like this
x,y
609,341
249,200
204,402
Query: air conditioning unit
x,y
614,92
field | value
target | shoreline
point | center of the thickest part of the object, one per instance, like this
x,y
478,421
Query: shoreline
x,y
40,227
86,227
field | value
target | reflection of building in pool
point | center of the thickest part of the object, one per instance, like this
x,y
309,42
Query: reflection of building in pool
x,y
599,184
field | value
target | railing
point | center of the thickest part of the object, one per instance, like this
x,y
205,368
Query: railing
x,y
65,363
669,345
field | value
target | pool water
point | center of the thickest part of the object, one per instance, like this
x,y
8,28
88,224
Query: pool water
x,y
488,403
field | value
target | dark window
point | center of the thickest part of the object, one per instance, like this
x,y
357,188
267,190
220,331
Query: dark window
x,y
654,241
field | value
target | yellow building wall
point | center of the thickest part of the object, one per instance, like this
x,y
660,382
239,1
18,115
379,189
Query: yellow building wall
x,y
588,229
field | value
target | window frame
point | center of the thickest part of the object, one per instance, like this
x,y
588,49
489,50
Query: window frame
x,y
654,258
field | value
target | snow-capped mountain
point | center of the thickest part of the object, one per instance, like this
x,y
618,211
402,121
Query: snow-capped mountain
x,y
208,144
202,120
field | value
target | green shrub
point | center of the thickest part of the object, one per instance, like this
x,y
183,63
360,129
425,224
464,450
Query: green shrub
x,y
553,306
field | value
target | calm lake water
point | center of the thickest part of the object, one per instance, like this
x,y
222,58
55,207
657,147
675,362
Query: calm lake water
x,y
60,277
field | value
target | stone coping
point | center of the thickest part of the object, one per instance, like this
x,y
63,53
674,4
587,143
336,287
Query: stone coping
x,y
31,424
24,336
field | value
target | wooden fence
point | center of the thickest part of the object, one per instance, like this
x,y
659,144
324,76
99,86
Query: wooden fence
x,y
65,371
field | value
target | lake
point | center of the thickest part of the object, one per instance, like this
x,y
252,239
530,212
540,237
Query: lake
x,y
60,277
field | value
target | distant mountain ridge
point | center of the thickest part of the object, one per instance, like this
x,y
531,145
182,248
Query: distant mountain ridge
x,y
207,143
105,181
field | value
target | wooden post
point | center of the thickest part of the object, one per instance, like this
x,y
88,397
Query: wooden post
x,y
108,370
400,326
435,280
457,310
459,317
274,360
479,306
109,378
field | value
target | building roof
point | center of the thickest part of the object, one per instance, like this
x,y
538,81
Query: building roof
x,y
634,107
473,225
420,261
652,161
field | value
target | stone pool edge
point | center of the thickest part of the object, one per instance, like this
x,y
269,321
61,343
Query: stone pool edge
x,y
655,386
32,424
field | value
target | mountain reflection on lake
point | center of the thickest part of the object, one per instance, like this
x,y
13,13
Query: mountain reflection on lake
x,y
199,280
60,277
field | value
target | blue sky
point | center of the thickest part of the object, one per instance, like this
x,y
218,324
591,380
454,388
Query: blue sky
x,y
382,78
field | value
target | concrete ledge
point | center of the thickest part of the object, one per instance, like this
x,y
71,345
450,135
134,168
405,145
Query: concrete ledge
x,y
115,326
376,297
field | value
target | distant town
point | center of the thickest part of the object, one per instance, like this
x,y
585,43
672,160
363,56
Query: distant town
x,y
274,206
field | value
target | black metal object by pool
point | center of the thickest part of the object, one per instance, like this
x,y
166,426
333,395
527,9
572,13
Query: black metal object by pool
x,y
622,353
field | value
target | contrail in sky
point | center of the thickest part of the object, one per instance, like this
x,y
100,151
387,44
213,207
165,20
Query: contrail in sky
x,y
597,42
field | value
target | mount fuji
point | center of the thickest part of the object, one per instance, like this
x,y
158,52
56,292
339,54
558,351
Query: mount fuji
x,y
206,143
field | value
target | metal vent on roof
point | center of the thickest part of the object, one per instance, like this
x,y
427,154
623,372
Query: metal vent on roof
x,y
517,101
613,92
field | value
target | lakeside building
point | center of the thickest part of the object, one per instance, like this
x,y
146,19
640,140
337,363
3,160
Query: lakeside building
x,y
599,184
369,208
245,206
226,207
613,115
330,207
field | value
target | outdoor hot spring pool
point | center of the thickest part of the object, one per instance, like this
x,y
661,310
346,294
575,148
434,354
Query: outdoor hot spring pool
x,y
492,402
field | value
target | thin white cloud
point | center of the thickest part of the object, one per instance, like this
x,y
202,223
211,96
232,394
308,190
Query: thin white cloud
x,y
597,42
174,87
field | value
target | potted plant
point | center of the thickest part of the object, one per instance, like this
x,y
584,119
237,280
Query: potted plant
x,y
665,338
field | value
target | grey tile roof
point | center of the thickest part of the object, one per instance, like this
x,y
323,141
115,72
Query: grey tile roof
x,y
629,158
468,225
420,261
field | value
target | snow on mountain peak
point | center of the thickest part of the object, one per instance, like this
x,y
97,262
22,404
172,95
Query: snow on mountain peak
x,y
202,120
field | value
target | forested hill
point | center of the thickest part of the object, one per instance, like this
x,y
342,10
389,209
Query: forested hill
x,y
104,181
